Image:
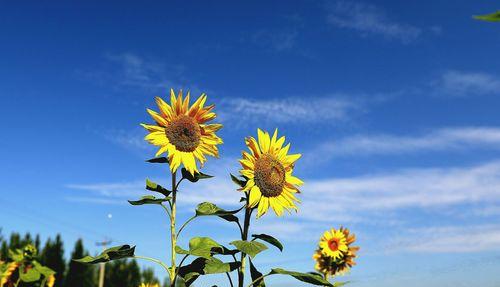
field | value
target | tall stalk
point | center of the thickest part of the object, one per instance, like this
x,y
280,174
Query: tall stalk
x,y
244,237
173,235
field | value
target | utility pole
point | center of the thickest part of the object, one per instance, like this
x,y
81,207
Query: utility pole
x,y
102,265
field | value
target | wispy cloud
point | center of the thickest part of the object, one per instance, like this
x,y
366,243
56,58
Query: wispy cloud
x,y
462,84
288,110
369,19
446,139
450,239
377,199
129,70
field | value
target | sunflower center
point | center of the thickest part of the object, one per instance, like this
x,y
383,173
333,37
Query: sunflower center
x,y
269,175
333,244
184,133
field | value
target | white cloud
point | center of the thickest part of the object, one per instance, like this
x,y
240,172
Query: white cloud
x,y
446,139
462,84
369,19
452,239
288,110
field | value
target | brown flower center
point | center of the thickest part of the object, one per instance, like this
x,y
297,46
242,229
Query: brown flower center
x,y
333,244
184,133
269,175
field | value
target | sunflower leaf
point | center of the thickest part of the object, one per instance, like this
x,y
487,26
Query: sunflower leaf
x,y
194,178
239,182
256,275
493,17
153,186
269,239
113,253
148,199
201,266
158,160
252,248
210,209
30,275
304,277
200,246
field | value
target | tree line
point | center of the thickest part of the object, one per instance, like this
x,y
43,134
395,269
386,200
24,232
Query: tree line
x,y
122,273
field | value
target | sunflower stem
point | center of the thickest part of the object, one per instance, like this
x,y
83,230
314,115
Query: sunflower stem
x,y
173,235
244,237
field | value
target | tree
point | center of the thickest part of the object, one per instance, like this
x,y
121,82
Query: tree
x,y
148,276
122,273
79,275
53,257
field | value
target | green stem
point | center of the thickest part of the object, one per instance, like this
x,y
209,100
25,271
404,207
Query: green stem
x,y
173,236
244,237
258,279
180,264
184,225
153,260
229,278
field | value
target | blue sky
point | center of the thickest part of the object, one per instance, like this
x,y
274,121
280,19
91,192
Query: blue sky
x,y
393,104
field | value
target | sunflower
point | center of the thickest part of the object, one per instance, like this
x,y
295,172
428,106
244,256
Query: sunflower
x,y
336,266
148,285
182,131
51,280
333,243
8,271
268,169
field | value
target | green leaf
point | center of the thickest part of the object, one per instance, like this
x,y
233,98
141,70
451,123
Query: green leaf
x,y
238,181
251,248
148,199
200,246
157,188
210,209
256,275
194,178
30,275
304,277
158,160
204,266
493,17
45,271
113,253
269,239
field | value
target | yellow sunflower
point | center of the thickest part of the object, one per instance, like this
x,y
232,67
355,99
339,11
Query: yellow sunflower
x,y
149,285
182,131
333,243
330,266
268,168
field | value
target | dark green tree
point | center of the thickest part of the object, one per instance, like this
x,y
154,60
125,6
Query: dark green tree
x,y
79,275
52,256
122,273
148,276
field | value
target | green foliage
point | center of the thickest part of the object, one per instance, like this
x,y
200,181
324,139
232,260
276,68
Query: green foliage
x,y
269,239
202,266
194,177
152,186
79,275
53,257
158,160
148,199
252,248
148,276
210,209
239,182
304,277
257,279
113,253
493,17
200,246
122,273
